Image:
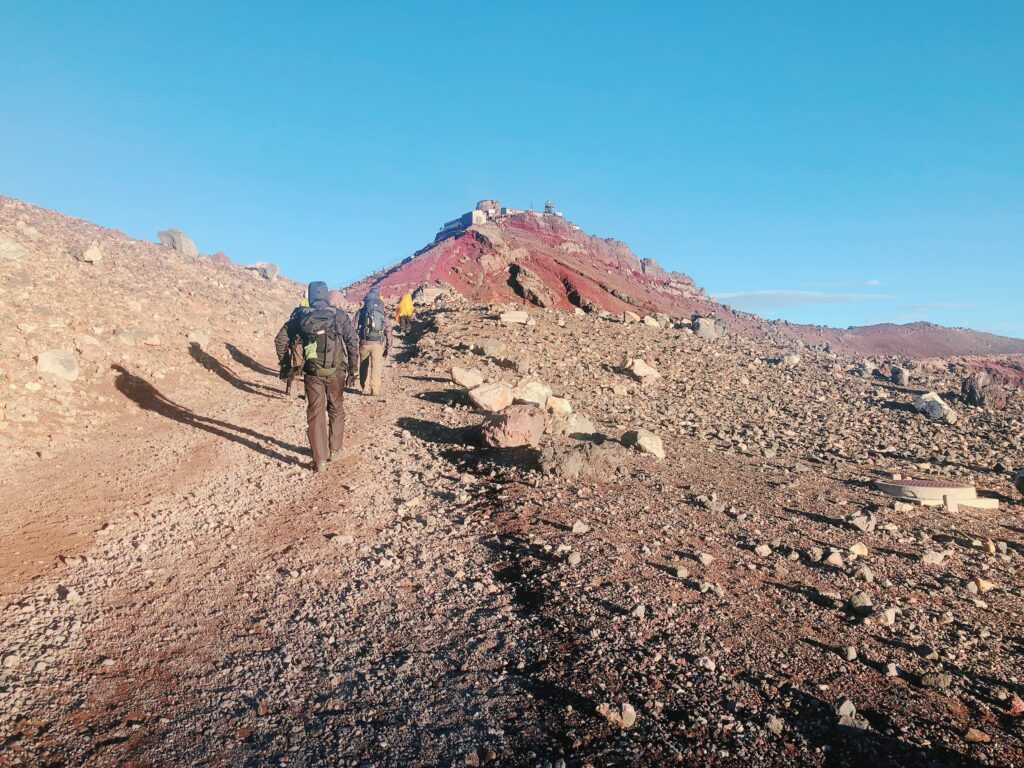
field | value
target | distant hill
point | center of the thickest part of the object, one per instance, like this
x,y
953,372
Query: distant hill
x,y
544,260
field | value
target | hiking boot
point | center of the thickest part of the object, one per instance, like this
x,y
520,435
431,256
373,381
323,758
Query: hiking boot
x,y
320,466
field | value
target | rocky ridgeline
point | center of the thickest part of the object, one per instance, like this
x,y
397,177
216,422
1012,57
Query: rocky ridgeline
x,y
77,299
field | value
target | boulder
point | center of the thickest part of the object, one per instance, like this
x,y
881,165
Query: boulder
x,y
220,258
58,363
708,327
532,393
91,254
1018,480
933,406
179,241
790,361
559,406
515,317
630,317
11,250
493,348
980,390
265,269
427,294
899,376
491,397
467,377
651,322
645,442
513,427
641,371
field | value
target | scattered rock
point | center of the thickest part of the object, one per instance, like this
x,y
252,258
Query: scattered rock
x,y
708,327
467,377
515,317
641,371
645,442
619,717
974,736
532,393
91,254
491,397
559,406
899,376
265,269
515,426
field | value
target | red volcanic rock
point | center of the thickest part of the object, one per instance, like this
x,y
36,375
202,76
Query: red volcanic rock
x,y
220,258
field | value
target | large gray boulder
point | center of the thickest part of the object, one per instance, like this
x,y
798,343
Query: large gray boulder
x,y
708,327
900,377
179,241
266,270
935,408
981,390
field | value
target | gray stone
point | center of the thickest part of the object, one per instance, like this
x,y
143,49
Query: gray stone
x,y
179,241
899,376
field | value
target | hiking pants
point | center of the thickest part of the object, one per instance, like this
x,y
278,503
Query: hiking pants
x,y
323,405
405,323
371,365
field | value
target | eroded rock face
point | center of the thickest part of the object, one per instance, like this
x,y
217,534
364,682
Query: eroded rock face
x,y
513,427
981,390
530,286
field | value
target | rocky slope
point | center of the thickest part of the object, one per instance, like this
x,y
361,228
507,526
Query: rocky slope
x,y
543,260
180,590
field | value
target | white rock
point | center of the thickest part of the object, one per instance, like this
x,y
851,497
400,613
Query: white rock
x,y
58,363
934,407
491,397
516,316
532,393
467,377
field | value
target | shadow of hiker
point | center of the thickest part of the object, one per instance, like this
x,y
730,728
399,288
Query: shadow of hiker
x,y
149,398
253,365
210,363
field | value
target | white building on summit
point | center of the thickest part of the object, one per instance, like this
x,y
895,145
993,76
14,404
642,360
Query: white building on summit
x,y
486,210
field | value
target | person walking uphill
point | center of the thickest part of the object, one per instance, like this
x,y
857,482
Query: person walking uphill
x,y
330,350
404,312
374,342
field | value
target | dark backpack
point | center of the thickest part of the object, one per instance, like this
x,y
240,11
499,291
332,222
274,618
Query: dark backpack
x,y
322,345
371,325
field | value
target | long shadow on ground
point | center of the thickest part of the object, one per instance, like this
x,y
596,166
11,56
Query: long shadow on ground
x,y
149,398
253,365
210,363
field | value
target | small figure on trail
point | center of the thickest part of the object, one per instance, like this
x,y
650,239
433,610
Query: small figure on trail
x,y
330,355
374,342
404,312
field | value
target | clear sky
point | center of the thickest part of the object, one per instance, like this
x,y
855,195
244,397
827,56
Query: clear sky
x,y
841,163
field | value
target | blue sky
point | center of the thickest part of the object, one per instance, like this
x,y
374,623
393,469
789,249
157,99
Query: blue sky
x,y
831,163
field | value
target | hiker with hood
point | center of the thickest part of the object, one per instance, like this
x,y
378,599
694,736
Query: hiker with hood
x,y
374,341
291,365
329,356
404,312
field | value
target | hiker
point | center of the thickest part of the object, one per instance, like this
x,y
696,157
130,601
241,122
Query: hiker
x,y
292,364
404,312
374,341
330,357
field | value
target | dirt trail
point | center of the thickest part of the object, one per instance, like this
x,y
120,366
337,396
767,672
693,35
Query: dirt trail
x,y
228,606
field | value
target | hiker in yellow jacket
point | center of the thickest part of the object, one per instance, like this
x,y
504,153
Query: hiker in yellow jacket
x,y
404,313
